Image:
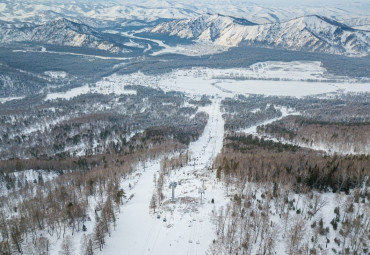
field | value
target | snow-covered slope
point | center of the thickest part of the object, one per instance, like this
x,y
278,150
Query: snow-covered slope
x,y
309,33
38,11
262,12
188,228
279,25
60,32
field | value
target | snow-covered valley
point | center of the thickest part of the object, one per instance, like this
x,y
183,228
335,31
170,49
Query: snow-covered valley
x,y
204,194
184,127
295,79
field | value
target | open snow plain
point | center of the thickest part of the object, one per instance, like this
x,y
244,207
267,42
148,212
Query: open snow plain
x,y
296,79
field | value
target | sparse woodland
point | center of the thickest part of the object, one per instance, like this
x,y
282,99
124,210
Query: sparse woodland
x,y
72,192
60,207
346,137
285,197
346,109
282,196
87,125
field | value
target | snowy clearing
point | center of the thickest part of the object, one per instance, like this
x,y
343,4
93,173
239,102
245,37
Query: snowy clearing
x,y
102,87
69,94
56,74
268,78
7,99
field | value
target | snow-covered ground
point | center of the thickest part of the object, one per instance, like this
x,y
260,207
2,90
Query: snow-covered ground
x,y
7,99
188,229
56,74
130,181
329,148
69,94
102,87
43,50
105,86
30,176
285,112
199,48
291,88
267,78
265,11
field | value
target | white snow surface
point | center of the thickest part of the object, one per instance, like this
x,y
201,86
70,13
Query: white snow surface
x,y
199,48
188,229
69,94
296,79
265,11
102,87
285,112
7,99
56,74
196,49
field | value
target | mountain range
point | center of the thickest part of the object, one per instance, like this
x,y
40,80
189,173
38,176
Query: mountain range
x,y
60,32
309,33
114,26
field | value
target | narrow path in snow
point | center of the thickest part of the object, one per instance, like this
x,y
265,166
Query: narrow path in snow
x,y
188,229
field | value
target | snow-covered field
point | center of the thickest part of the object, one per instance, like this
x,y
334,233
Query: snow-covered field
x,y
102,87
56,74
69,94
271,79
7,99
188,228
267,78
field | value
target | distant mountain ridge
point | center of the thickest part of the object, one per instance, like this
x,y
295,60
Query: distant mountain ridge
x,y
60,32
312,33
308,33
